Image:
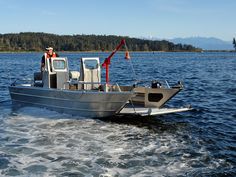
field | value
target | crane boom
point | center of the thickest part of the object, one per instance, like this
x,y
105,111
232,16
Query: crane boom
x,y
107,61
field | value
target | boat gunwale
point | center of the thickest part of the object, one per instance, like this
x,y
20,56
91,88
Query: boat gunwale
x,y
71,91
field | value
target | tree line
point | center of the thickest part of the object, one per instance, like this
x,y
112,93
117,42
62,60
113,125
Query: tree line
x,y
30,41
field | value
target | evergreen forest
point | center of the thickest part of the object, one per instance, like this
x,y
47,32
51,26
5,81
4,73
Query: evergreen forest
x,y
32,41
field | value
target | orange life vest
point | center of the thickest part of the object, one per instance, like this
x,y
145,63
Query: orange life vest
x,y
48,56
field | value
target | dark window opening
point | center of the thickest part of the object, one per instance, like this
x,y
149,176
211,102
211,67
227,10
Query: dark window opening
x,y
155,97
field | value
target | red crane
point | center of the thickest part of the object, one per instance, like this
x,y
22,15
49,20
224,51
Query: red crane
x,y
107,61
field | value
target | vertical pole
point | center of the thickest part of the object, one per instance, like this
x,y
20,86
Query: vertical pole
x,y
107,73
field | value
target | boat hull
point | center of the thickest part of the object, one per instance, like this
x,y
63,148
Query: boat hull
x,y
82,103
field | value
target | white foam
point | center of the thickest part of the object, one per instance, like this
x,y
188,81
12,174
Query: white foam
x,y
56,142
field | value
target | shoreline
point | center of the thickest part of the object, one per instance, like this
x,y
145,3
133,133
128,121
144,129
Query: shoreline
x,y
203,51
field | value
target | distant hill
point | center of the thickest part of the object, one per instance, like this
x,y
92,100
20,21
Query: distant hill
x,y
205,43
31,41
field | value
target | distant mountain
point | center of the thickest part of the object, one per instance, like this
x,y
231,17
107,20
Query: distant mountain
x,y
205,43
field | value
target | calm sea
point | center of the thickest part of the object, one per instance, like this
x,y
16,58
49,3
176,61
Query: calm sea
x,y
39,142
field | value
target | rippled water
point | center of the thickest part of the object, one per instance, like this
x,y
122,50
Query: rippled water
x,y
39,142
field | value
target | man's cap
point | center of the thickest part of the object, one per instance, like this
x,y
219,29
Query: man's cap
x,y
49,48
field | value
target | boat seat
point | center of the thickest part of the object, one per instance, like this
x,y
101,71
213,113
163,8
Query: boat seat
x,y
74,75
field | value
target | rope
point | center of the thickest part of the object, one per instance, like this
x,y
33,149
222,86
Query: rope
x,y
132,67
133,106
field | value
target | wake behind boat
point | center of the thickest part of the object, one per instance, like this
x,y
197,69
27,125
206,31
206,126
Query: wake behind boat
x,y
82,93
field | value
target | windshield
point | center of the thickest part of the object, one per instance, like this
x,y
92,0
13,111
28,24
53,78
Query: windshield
x,y
59,64
91,64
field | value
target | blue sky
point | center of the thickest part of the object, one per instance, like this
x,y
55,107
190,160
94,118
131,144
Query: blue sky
x,y
164,19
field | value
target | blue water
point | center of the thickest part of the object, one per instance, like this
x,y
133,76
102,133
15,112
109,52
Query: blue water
x,y
39,142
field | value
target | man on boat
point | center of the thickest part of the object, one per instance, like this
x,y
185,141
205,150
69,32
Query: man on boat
x,y
49,54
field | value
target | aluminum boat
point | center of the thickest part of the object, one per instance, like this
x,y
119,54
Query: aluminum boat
x,y
82,93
